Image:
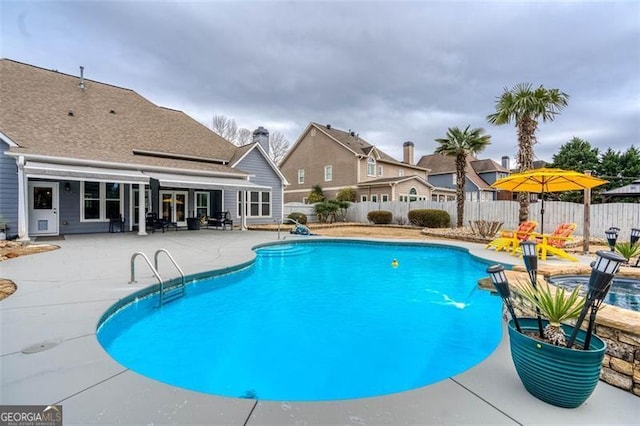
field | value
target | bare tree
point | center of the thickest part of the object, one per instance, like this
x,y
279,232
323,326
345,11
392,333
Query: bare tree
x,y
278,146
228,129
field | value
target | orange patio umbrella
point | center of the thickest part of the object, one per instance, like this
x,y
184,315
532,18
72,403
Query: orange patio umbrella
x,y
547,180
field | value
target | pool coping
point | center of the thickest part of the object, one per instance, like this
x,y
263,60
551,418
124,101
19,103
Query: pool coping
x,y
53,300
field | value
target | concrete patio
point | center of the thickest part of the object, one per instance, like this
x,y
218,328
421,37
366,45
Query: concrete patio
x,y
63,293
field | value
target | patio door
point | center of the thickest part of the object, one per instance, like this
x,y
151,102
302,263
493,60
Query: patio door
x,y
173,206
43,208
135,204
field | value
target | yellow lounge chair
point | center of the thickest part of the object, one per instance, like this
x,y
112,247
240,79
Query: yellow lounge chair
x,y
553,244
510,240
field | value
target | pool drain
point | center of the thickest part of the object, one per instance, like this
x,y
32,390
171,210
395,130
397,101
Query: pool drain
x,y
42,346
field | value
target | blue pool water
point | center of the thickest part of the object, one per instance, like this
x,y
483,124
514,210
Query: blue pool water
x,y
624,292
316,321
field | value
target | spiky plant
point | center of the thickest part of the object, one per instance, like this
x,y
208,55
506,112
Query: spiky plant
x,y
555,306
628,250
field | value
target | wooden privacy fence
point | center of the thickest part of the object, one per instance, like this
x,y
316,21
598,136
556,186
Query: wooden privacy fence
x,y
602,216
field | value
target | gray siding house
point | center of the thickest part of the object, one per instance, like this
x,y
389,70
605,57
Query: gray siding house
x,y
76,154
480,174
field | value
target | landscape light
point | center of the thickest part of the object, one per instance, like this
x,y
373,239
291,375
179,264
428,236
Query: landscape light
x,y
501,284
530,257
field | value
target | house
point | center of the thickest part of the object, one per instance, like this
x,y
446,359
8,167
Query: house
x,y
76,153
480,174
336,159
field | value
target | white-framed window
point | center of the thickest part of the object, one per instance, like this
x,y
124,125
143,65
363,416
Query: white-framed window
x,y
400,173
374,198
258,203
202,203
363,198
454,178
380,170
100,201
371,167
301,176
411,196
385,198
328,173
434,197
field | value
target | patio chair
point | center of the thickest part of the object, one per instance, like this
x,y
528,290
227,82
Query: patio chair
x,y
220,220
116,222
509,240
554,243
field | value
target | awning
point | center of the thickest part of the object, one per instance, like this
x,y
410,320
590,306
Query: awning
x,y
83,173
203,182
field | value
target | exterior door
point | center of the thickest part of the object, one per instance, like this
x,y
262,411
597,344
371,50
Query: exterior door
x,y
135,208
43,208
173,206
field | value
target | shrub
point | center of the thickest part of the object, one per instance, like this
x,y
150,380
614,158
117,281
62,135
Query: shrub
x,y
316,195
301,218
380,217
430,218
326,211
346,194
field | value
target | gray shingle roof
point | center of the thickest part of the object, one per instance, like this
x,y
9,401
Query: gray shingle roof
x,y
47,113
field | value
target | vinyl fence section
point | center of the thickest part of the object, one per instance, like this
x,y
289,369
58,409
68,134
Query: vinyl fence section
x,y
602,216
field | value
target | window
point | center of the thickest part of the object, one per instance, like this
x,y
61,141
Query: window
x,y
301,176
100,201
258,203
202,204
379,170
413,194
328,173
400,173
371,167
363,198
374,198
385,198
434,197
454,178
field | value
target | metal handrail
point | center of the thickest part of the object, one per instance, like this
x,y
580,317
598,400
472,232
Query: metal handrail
x,y
146,259
155,262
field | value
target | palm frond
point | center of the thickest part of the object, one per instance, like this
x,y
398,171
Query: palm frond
x,y
556,306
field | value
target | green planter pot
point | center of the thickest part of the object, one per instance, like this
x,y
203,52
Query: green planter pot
x,y
559,376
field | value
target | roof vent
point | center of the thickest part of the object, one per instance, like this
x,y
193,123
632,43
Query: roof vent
x,y
113,111
352,133
329,126
70,113
81,85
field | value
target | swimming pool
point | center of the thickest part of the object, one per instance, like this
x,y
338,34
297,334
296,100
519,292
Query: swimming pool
x,y
316,320
624,292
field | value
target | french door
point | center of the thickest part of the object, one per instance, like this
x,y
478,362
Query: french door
x,y
173,206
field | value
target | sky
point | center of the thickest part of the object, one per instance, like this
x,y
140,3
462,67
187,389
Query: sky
x,y
391,71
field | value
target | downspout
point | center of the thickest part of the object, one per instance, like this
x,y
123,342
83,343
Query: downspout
x,y
23,199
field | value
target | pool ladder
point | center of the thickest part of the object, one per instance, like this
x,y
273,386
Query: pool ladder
x,y
167,294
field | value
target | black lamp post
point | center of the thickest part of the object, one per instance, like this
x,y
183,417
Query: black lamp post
x,y
501,284
612,237
530,257
603,270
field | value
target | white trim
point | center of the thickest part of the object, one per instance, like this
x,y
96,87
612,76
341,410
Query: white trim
x,y
329,169
6,139
82,173
121,166
102,200
201,182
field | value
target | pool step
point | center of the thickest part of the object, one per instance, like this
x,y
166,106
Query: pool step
x,y
284,250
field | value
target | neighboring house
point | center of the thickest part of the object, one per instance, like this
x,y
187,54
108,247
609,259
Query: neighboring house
x,y
480,174
75,153
335,159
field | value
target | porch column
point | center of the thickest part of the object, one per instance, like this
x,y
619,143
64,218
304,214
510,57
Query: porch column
x,y
142,210
243,214
23,200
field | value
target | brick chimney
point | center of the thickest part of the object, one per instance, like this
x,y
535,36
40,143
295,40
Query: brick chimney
x,y
261,135
407,152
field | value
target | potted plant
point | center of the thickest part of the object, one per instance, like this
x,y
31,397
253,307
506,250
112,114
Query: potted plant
x,y
3,229
557,363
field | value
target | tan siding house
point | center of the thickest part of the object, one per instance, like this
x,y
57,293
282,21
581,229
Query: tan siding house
x,y
336,159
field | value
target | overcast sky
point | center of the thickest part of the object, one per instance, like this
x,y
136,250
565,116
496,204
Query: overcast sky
x,y
390,71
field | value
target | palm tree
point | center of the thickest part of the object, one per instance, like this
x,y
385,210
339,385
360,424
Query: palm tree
x,y
460,144
525,106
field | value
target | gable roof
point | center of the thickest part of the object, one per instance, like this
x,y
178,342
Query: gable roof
x,y
244,150
48,115
395,181
354,143
446,164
